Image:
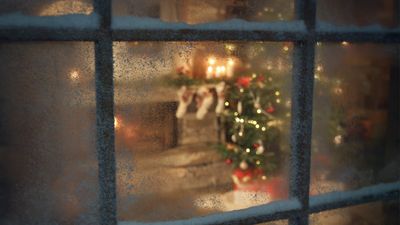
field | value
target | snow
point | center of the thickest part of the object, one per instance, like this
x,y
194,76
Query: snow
x,y
268,209
352,196
19,20
328,27
131,22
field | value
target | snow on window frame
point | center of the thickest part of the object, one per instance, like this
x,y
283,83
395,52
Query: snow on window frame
x,y
304,32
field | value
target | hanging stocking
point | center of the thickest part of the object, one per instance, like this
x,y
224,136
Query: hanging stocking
x,y
221,97
185,98
204,101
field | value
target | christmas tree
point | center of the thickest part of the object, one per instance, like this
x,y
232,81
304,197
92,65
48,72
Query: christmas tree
x,y
249,102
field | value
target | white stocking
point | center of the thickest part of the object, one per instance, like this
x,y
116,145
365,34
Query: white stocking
x,y
185,98
221,97
204,102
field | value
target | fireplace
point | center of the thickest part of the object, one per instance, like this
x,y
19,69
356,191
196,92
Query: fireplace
x,y
146,126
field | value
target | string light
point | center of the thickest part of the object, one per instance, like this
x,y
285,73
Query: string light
x,y
345,43
74,75
263,128
319,68
259,111
278,100
226,103
277,93
285,48
257,126
247,150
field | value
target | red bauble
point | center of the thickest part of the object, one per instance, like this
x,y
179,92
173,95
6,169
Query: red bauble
x,y
260,79
243,82
270,109
239,173
228,161
256,145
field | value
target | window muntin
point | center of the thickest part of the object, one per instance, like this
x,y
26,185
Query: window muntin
x,y
104,113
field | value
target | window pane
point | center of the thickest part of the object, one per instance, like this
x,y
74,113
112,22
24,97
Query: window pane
x,y
376,213
202,11
172,110
356,116
48,166
359,13
46,7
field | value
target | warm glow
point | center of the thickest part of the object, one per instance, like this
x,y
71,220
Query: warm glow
x,y
345,43
319,68
212,61
210,69
74,75
230,62
222,69
277,93
117,122
285,48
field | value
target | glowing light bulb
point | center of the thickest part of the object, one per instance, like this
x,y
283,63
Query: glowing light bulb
x,y
345,43
211,61
278,100
257,126
277,93
263,128
226,103
74,75
259,111
285,48
230,62
247,150
117,122
222,69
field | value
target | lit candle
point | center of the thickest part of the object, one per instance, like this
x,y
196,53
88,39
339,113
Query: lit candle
x,y
209,72
229,70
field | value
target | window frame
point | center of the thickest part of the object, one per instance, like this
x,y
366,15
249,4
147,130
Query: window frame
x,y
299,205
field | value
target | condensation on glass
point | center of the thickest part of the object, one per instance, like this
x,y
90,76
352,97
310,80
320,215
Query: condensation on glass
x,y
354,137
204,11
169,168
376,213
47,135
357,13
47,7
